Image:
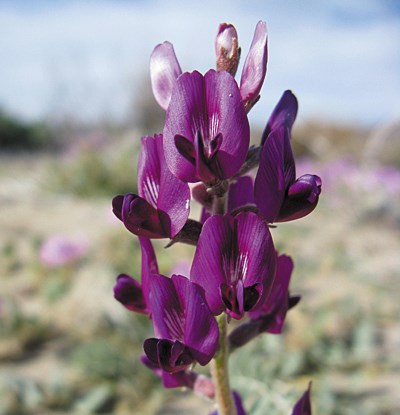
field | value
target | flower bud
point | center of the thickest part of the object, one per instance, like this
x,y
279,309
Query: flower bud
x,y
227,48
255,67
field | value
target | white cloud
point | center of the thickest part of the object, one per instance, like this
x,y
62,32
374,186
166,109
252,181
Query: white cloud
x,y
343,62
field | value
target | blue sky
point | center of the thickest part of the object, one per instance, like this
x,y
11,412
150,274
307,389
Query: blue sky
x,y
89,58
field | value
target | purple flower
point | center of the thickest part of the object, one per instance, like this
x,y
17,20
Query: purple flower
x,y
303,405
277,193
255,67
185,329
164,70
162,206
129,292
234,262
227,48
206,132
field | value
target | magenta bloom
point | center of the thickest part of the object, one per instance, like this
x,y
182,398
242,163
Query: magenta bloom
x,y
255,67
277,193
185,329
164,70
303,405
162,206
128,291
234,262
206,132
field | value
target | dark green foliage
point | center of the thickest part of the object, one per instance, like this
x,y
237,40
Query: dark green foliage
x,y
16,134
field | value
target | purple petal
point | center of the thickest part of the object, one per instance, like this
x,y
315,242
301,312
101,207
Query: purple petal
x,y
307,187
166,193
201,330
117,204
180,314
205,214
303,405
129,293
275,307
167,311
149,169
241,193
207,167
208,109
179,379
227,48
238,404
207,262
233,256
138,216
149,266
269,186
170,356
225,107
150,348
255,67
200,384
164,70
283,115
257,253
302,198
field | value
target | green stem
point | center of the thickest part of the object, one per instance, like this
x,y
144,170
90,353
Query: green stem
x,y
219,372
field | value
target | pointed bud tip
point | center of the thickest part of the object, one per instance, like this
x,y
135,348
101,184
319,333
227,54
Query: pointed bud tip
x,y
227,48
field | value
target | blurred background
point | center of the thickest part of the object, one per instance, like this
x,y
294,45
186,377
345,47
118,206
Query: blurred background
x,y
75,98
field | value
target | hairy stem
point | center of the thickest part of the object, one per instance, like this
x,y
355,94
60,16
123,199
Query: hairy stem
x,y
219,372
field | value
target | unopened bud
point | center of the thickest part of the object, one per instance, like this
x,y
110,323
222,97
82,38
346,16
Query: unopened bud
x,y
227,48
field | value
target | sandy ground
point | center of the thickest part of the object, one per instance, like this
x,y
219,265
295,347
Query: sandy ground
x,y
354,254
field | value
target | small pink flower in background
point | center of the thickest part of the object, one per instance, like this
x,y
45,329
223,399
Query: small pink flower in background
x,y
59,250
